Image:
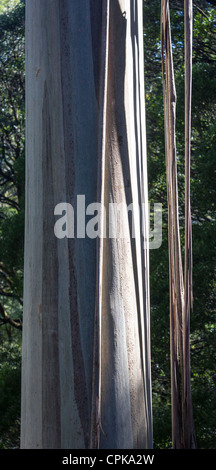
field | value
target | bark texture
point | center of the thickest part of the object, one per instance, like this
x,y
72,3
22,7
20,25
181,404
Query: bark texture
x,y
183,435
86,379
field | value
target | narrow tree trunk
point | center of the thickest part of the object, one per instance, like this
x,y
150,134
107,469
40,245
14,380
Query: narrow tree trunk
x,y
86,378
189,432
175,261
183,435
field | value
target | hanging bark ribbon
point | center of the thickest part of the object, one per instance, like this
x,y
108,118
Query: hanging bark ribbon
x,y
180,290
96,385
189,435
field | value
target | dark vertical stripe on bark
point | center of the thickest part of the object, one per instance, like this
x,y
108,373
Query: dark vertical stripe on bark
x,y
50,369
96,31
80,386
67,101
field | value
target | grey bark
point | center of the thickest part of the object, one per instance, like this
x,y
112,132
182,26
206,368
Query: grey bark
x,y
86,378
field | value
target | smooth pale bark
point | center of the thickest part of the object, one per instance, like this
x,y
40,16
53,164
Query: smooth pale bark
x,y
86,379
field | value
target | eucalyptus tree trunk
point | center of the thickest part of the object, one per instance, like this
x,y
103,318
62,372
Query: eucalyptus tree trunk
x,y
86,379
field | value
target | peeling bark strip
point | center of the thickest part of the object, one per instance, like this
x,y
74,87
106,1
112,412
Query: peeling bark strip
x,y
180,290
97,365
175,263
86,375
189,434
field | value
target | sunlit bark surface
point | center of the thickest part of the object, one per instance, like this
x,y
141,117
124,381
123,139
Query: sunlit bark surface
x,y
86,378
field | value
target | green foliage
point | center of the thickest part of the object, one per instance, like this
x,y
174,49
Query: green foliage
x,y
6,5
12,160
10,397
12,199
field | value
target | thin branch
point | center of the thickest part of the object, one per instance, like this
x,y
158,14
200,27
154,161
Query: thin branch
x,y
9,202
7,320
200,10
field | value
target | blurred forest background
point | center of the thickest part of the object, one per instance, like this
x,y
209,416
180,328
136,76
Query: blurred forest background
x,y
203,201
